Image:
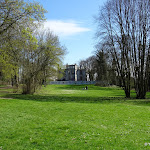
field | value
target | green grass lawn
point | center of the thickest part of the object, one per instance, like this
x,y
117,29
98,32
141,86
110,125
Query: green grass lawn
x,y
68,117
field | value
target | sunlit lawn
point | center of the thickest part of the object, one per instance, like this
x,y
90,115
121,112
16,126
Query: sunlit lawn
x,y
68,117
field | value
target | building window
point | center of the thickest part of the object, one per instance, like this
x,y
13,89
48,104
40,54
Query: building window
x,y
80,72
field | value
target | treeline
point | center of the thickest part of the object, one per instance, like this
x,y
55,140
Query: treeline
x,y
123,35
99,67
28,55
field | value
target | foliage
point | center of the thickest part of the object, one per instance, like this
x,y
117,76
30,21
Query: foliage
x,y
16,16
28,55
13,13
101,66
5,65
40,60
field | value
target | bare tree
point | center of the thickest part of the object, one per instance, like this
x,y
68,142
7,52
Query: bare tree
x,y
123,29
89,65
141,41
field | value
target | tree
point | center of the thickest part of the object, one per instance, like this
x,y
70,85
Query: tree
x,y
28,55
101,66
89,66
123,29
16,16
141,42
104,67
98,68
39,60
15,12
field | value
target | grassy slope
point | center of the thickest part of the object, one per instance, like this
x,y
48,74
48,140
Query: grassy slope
x,y
67,117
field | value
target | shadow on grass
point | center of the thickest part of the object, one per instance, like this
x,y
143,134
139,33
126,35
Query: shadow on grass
x,y
77,99
56,98
81,87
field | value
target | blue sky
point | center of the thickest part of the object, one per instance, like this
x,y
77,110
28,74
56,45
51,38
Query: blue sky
x,y
73,22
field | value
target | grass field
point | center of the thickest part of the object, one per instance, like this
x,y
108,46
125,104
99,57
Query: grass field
x,y
68,117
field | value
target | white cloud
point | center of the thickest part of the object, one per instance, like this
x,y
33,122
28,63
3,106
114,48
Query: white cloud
x,y
65,28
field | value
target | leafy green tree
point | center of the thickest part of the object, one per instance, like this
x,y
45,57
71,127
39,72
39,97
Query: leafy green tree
x,y
40,56
15,12
16,16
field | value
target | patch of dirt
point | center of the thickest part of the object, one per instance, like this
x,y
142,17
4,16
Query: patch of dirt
x,y
5,92
5,98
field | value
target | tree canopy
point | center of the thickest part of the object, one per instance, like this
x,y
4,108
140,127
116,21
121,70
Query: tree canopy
x,y
27,55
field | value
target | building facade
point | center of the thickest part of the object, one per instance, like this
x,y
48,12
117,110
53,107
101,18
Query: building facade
x,y
81,75
73,73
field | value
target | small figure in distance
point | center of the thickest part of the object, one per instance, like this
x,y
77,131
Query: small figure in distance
x,y
86,88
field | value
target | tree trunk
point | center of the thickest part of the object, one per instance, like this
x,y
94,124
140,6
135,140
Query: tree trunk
x,y
27,89
140,94
127,93
126,87
140,89
14,83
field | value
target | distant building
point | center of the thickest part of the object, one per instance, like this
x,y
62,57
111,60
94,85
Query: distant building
x,y
73,73
81,75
